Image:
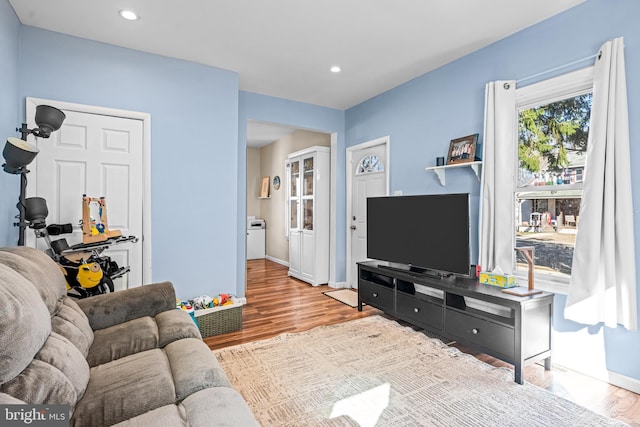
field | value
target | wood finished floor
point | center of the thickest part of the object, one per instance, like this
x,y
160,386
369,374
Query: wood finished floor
x,y
279,304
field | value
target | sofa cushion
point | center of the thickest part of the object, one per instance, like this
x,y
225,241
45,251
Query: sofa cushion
x,y
63,355
220,406
194,367
145,333
72,323
174,325
165,416
24,321
58,373
122,340
125,388
41,383
40,270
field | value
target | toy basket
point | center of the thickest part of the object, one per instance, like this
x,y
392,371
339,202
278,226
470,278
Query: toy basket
x,y
219,320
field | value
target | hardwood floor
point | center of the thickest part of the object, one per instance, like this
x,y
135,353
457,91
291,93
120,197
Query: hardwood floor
x,y
279,304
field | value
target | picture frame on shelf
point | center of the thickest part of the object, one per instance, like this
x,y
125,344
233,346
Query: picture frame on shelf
x,y
462,150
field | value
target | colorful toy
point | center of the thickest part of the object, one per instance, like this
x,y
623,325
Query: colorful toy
x,y
205,301
186,306
222,299
94,220
85,279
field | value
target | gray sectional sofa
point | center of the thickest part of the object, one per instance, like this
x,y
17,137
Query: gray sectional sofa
x,y
127,358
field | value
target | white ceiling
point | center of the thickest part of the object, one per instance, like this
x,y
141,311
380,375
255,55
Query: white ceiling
x,y
260,134
284,48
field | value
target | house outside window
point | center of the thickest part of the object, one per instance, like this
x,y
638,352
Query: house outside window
x,y
553,127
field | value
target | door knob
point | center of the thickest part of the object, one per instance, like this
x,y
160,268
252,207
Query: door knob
x,y
353,227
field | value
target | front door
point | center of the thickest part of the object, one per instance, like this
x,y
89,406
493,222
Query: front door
x,y
368,174
100,156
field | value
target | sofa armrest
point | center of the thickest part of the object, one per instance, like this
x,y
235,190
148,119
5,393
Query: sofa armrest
x,y
112,309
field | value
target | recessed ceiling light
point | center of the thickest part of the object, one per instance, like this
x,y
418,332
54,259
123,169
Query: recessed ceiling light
x,y
335,69
128,15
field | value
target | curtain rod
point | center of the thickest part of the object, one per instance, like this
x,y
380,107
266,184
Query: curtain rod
x,y
558,68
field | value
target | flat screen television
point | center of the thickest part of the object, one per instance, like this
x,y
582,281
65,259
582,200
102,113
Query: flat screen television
x,y
428,233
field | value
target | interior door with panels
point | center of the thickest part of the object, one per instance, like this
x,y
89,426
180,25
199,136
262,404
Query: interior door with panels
x,y
100,156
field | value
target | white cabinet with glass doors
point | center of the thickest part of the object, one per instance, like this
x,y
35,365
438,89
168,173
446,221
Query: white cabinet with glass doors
x,y
308,185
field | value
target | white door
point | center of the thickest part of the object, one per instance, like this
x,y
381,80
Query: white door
x,y
368,175
100,156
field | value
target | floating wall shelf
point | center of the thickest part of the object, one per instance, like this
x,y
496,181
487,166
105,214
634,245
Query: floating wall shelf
x,y
440,170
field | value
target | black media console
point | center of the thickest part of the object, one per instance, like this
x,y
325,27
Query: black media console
x,y
514,329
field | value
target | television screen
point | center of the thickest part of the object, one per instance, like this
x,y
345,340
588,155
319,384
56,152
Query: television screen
x,y
429,232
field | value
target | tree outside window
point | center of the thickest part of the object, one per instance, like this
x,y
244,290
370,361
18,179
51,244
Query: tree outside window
x,y
552,144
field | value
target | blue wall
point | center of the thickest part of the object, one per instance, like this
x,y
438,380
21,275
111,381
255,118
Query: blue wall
x,y
194,137
9,53
423,115
303,116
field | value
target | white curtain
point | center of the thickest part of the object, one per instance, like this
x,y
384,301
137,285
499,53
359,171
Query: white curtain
x,y
496,212
603,275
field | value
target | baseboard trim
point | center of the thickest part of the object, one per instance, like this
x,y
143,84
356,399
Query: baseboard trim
x,y
339,285
609,377
279,261
622,381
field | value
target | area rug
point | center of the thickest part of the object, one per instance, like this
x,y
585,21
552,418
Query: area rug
x,y
345,296
374,372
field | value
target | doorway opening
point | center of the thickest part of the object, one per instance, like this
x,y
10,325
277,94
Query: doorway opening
x,y
268,147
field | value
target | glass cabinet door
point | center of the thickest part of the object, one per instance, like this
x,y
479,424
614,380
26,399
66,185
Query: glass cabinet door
x,y
308,214
293,178
308,177
293,214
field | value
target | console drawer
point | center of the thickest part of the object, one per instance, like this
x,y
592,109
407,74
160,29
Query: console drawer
x,y
489,335
423,312
376,295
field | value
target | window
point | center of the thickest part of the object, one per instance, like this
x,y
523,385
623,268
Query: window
x,y
553,128
370,163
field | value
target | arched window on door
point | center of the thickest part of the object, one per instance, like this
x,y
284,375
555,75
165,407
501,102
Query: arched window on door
x,y
370,163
